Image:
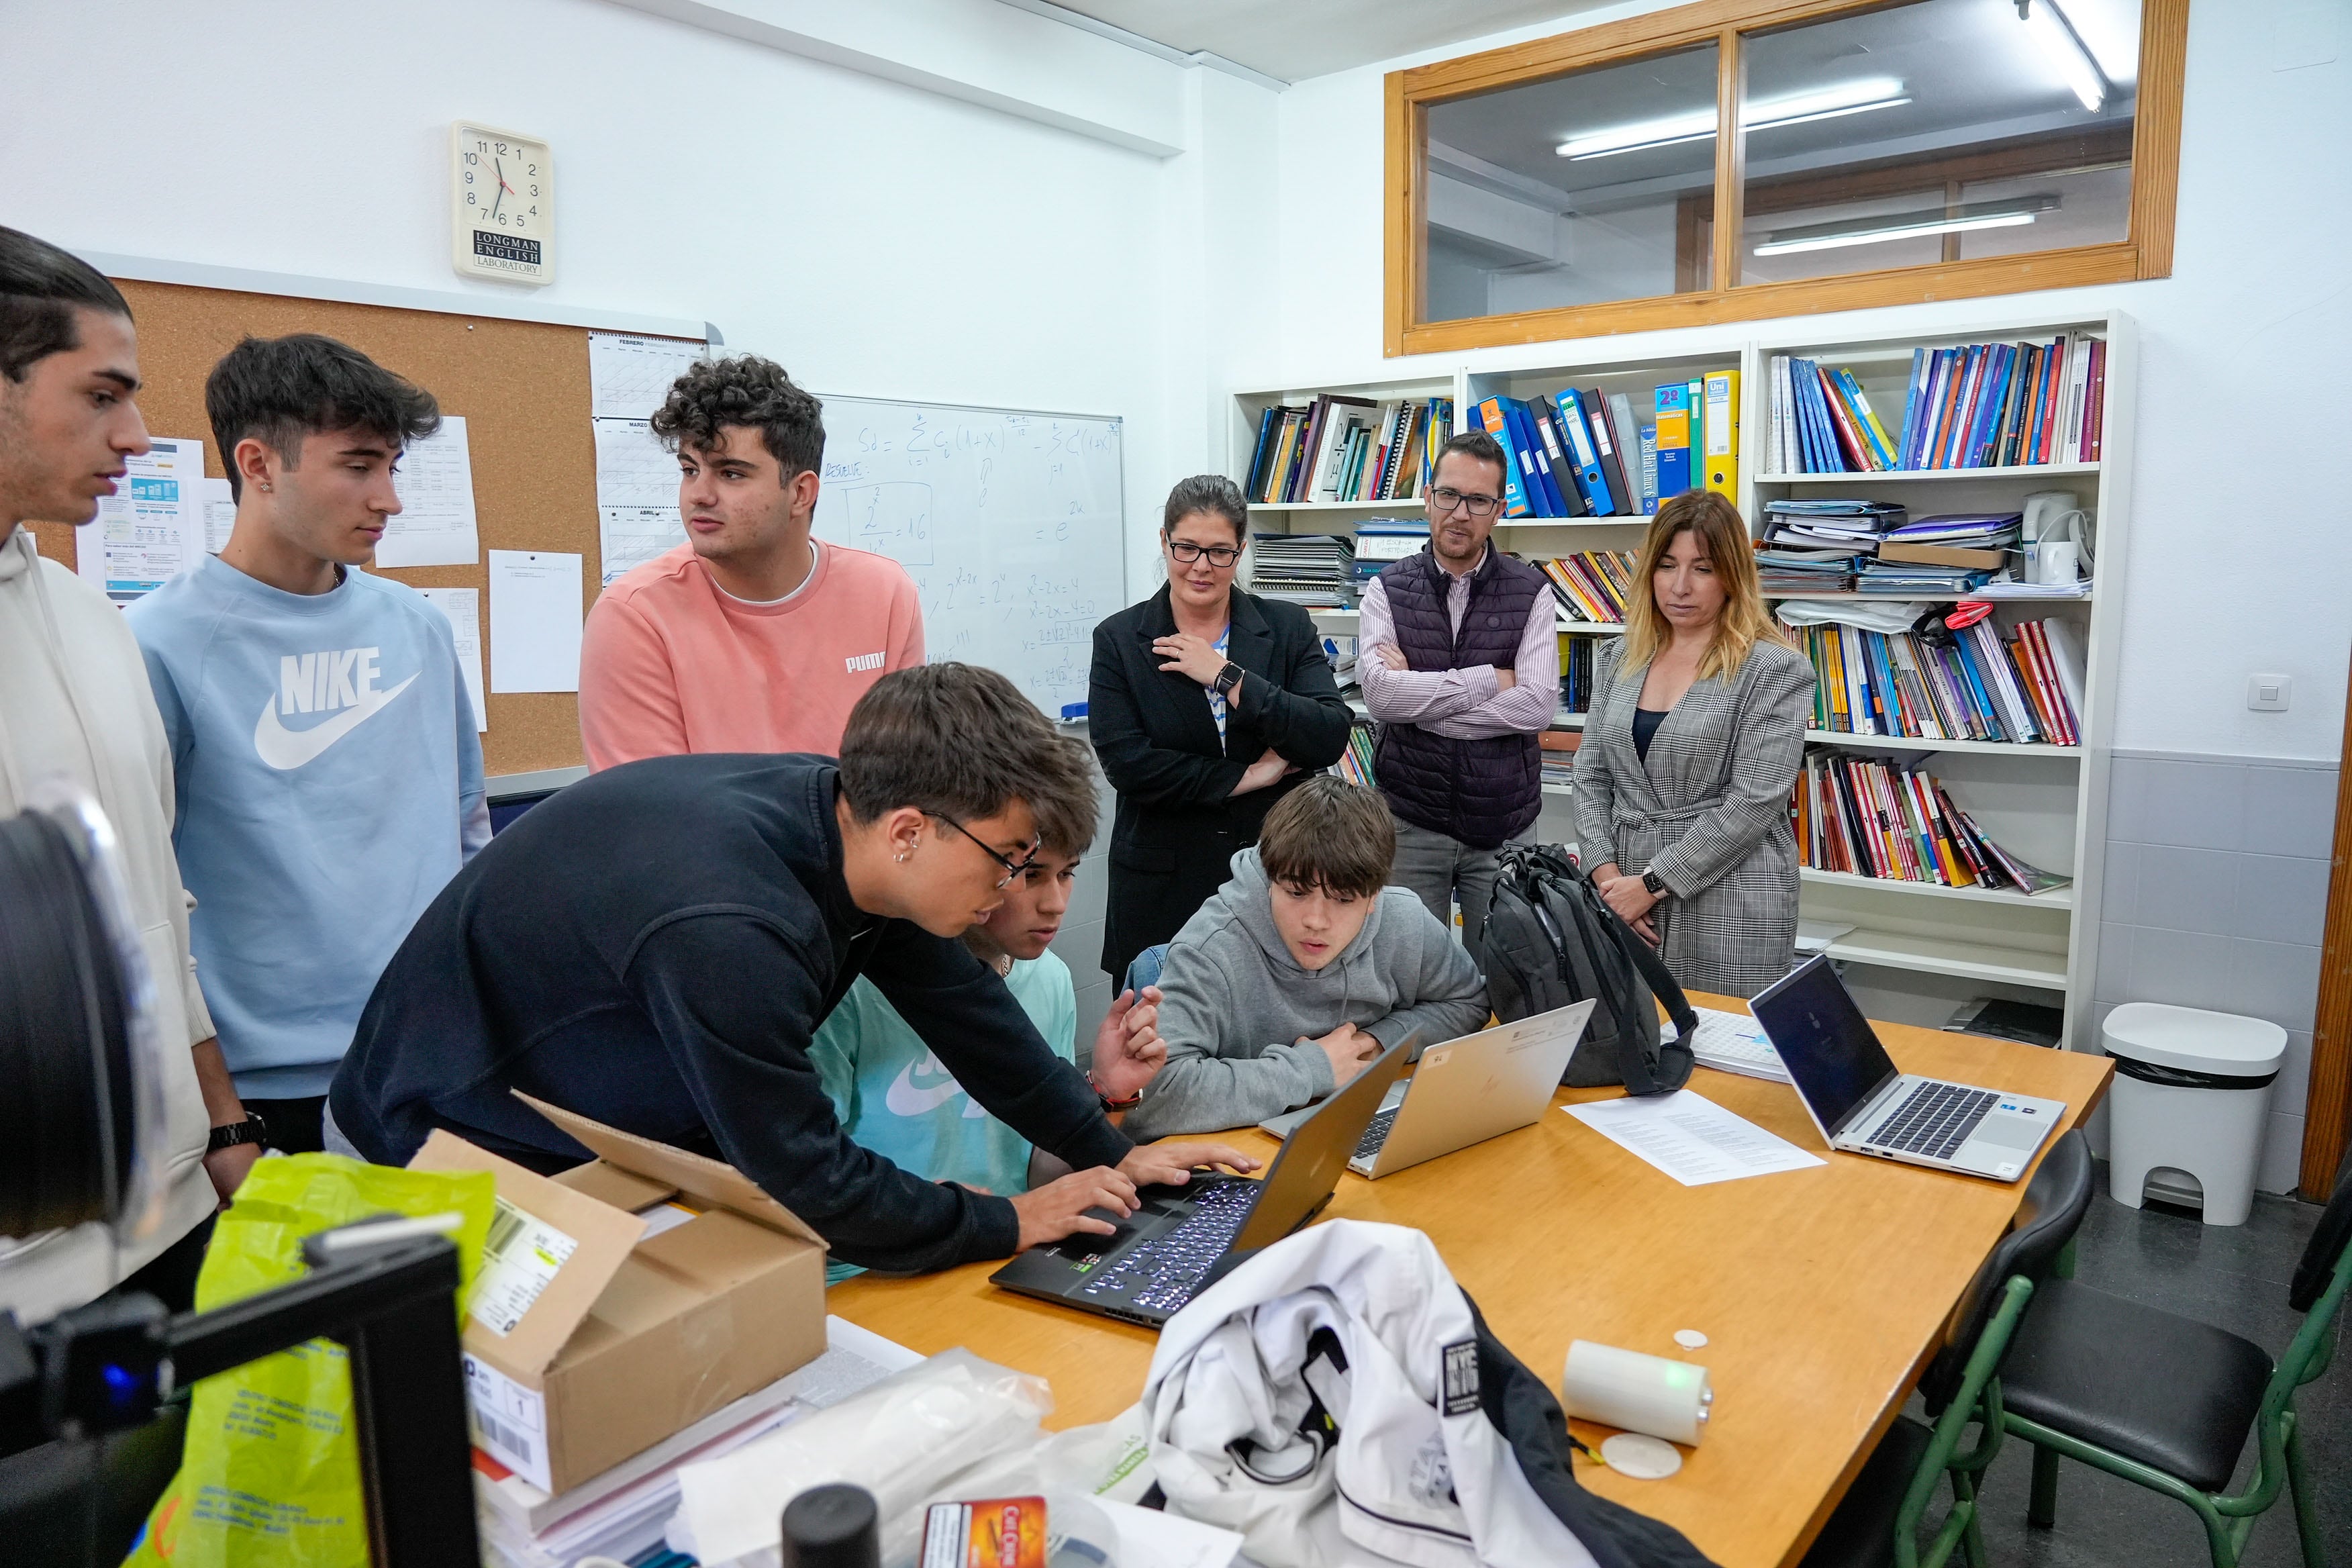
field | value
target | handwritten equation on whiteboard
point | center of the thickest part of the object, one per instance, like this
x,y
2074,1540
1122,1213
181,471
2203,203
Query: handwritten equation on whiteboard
x,y
1011,525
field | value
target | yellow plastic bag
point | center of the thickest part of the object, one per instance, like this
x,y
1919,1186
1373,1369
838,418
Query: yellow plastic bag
x,y
270,1474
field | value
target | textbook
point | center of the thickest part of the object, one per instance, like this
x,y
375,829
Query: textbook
x,y
1973,405
1594,587
1338,448
1891,820
1976,685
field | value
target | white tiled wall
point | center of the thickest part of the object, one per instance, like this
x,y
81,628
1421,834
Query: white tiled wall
x,y
2216,896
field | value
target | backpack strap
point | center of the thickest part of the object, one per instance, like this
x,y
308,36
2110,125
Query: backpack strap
x,y
1668,1064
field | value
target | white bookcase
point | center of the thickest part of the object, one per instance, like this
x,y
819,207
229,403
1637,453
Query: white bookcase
x,y
1915,951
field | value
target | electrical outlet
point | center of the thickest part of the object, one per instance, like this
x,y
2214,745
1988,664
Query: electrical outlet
x,y
2268,693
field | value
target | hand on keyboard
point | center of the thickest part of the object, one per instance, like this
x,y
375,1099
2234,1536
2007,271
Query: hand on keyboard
x,y
1058,1208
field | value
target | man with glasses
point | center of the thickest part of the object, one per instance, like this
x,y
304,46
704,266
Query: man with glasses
x,y
654,947
1461,665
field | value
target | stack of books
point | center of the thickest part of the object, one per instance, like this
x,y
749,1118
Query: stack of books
x,y
1943,554
1976,406
1558,757
1788,572
1355,763
1576,655
1383,542
1338,448
1854,526
1593,585
1316,570
1972,685
1891,820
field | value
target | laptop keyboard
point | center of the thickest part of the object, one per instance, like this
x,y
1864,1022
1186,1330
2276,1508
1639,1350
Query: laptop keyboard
x,y
1377,1133
1161,1273
1936,1120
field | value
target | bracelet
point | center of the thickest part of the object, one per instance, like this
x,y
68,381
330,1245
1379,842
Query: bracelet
x,y
1107,1103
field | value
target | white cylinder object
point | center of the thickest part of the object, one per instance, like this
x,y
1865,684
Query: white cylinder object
x,y
2058,561
1669,1399
2209,1127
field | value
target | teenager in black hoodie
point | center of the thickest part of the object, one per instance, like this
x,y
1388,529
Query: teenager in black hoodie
x,y
654,946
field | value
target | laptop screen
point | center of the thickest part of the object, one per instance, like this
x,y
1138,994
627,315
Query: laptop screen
x,y
1823,1040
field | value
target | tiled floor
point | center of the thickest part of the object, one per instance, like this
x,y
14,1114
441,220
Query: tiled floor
x,y
2234,1276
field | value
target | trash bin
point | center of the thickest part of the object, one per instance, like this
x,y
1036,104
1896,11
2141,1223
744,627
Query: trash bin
x,y
2191,1097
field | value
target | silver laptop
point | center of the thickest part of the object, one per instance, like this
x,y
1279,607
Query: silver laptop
x,y
1465,1091
1863,1105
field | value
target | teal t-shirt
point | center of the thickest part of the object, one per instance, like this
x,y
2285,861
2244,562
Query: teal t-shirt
x,y
893,1096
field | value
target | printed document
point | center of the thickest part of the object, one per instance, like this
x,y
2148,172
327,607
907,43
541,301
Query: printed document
x,y
434,481
463,606
535,618
1691,1138
150,529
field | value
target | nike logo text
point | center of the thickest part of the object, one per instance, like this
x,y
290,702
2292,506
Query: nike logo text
x,y
285,748
907,1097
864,661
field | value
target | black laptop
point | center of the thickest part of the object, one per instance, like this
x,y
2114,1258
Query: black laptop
x,y
1162,1252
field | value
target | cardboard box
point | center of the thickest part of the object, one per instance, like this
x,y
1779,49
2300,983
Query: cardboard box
x,y
613,1339
1945,555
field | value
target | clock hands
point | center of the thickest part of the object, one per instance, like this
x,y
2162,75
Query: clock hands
x,y
505,190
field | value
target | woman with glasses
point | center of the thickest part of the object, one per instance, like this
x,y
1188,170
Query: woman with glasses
x,y
1693,743
1207,705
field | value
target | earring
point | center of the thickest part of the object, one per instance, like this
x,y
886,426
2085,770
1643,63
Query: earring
x,y
901,857
264,489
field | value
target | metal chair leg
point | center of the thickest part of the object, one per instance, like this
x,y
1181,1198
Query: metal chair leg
x,y
2042,1506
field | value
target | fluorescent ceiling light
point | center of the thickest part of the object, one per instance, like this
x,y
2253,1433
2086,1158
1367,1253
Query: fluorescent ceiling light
x,y
1698,125
1906,225
2058,40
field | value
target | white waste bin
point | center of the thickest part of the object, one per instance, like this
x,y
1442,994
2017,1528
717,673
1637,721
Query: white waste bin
x,y
2191,1097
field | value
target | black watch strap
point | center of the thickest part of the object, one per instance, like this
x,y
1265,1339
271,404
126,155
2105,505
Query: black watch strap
x,y
1227,679
1655,884
252,1129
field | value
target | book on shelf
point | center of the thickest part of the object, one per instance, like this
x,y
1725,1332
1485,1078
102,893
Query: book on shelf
x,y
1975,684
1576,656
1355,763
1893,821
1582,452
1593,585
1975,405
1335,448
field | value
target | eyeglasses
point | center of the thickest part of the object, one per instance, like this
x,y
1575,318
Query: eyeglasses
x,y
1011,868
1219,556
1445,498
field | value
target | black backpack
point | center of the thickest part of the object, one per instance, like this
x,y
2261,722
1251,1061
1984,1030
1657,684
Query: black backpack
x,y
1551,940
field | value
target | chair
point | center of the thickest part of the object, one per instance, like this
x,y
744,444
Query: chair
x,y
1877,1522
2167,1402
1146,967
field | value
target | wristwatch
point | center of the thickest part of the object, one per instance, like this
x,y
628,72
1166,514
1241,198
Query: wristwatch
x,y
1227,679
1655,884
252,1129
1107,1103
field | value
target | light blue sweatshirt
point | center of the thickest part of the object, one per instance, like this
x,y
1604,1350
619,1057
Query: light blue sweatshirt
x,y
330,782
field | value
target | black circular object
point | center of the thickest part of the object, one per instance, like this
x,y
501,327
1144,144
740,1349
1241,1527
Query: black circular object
x,y
65,1050
834,1526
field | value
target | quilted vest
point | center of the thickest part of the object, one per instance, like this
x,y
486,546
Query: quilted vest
x,y
1480,792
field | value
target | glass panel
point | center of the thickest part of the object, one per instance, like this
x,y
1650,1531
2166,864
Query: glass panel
x,y
1937,132
1573,191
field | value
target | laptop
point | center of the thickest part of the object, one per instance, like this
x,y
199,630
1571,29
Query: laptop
x,y
1863,1105
1466,1092
1161,1254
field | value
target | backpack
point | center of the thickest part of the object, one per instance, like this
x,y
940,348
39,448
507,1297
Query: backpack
x,y
1551,940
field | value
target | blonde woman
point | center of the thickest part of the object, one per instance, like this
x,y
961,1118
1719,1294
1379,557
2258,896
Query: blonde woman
x,y
1696,731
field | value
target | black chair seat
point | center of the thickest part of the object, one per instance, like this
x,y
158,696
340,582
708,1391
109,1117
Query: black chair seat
x,y
2166,1390
1861,1533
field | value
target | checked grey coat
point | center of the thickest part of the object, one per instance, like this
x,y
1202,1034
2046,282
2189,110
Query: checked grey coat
x,y
1709,810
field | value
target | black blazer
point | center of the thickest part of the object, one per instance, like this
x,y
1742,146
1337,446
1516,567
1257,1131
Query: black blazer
x,y
1179,822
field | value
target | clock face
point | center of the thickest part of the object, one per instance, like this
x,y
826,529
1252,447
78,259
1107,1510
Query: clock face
x,y
501,204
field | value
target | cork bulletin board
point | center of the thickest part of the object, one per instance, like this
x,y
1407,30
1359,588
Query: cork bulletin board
x,y
522,387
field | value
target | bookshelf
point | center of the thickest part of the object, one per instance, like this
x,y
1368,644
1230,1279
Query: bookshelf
x,y
1914,951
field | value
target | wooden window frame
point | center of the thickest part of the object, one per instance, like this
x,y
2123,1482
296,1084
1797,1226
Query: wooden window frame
x,y
2146,251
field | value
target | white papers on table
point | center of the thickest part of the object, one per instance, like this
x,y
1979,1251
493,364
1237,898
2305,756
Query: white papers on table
x,y
1732,1042
150,529
220,513
1691,1138
634,468
463,606
535,616
629,536
434,481
630,376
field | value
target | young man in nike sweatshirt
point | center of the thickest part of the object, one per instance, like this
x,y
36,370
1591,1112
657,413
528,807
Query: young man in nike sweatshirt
x,y
1303,969
894,1096
329,775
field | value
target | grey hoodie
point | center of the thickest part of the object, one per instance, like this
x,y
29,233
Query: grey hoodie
x,y
1240,1015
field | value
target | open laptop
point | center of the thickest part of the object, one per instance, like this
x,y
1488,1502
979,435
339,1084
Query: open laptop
x,y
1160,1254
1465,1091
1863,1105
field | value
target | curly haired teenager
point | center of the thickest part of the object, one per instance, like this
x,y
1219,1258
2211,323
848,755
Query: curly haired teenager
x,y
752,636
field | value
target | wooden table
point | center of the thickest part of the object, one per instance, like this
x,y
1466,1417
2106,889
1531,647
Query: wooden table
x,y
1822,1292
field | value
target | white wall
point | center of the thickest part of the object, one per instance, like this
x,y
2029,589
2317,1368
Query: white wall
x,y
2241,540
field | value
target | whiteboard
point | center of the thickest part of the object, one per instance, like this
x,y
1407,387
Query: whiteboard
x,y
1011,524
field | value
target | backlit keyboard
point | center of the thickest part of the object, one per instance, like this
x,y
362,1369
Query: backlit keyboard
x,y
1936,1120
1161,1273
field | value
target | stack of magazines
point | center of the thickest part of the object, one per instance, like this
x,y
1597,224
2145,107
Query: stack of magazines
x,y
1318,570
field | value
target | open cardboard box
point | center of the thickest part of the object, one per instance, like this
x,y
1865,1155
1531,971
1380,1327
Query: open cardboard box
x,y
624,1339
